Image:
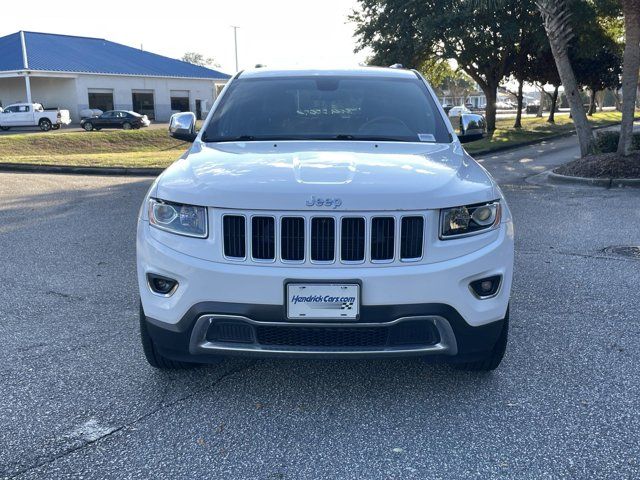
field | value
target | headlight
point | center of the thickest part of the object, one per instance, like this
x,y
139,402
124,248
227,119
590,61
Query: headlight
x,y
188,220
469,220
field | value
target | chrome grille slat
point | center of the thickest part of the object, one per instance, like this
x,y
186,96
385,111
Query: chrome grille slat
x,y
411,236
292,239
382,238
263,238
323,239
234,229
352,239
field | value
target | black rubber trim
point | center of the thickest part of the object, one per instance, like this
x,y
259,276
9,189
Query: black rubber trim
x,y
473,342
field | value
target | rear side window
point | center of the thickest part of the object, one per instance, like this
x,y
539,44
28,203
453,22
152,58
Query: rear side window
x,y
328,107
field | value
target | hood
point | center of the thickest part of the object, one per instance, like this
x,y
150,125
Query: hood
x,y
352,175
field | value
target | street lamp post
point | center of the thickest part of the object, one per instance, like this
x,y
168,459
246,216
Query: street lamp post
x,y
235,42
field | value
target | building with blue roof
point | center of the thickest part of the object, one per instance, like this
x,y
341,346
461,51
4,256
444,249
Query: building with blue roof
x,y
83,73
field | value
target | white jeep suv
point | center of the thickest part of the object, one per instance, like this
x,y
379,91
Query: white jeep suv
x,y
325,213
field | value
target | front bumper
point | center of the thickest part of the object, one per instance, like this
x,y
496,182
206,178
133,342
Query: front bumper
x,y
431,297
433,330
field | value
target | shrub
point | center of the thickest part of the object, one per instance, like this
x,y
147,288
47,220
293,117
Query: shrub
x,y
607,142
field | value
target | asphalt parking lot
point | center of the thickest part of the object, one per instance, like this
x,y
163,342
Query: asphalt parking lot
x,y
79,401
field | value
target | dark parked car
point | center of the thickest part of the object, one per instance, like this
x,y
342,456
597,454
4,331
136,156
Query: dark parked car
x,y
115,119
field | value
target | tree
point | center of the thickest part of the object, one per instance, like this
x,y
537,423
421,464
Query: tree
x,y
436,71
480,40
556,19
199,59
598,71
543,71
595,52
630,68
530,41
446,80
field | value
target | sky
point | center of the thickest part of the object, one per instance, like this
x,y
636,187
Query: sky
x,y
277,33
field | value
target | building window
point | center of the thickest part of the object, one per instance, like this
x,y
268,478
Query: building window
x,y
143,104
101,100
179,100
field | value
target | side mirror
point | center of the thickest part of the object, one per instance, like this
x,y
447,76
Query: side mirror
x,y
182,126
472,127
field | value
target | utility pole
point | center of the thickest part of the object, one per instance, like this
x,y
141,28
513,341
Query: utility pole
x,y
235,41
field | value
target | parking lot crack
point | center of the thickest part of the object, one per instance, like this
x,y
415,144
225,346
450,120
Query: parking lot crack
x,y
573,254
98,434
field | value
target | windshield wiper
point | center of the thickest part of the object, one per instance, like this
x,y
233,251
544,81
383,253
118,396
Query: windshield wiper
x,y
251,138
239,138
370,138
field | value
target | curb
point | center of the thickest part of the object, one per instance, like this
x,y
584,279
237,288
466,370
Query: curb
x,y
597,182
67,169
528,143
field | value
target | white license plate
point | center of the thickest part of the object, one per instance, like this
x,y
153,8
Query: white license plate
x,y
323,301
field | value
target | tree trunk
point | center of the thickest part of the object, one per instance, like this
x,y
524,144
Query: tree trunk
x,y
592,102
600,99
518,123
554,102
555,16
616,96
491,93
630,68
541,106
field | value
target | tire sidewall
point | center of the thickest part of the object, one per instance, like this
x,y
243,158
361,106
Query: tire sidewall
x,y
45,124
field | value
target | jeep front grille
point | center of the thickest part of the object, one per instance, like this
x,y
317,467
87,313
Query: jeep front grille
x,y
323,239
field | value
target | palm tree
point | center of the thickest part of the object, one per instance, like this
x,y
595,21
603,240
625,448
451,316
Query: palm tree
x,y
630,69
557,24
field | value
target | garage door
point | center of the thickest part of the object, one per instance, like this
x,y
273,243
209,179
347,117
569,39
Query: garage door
x,y
143,104
179,100
101,99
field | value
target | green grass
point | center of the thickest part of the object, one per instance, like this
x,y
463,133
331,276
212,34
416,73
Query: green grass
x,y
535,129
154,148
119,148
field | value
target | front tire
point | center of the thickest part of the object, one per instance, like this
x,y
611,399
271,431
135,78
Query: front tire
x,y
494,358
45,124
88,126
126,126
154,358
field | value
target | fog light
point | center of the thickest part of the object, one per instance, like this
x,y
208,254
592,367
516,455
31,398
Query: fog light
x,y
486,287
161,285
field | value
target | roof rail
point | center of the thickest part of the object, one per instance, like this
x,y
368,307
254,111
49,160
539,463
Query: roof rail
x,y
396,65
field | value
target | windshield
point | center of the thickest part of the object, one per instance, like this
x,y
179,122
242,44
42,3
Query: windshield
x,y
327,108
